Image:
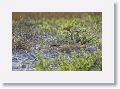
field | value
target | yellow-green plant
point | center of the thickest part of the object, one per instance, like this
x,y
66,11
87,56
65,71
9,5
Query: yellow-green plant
x,y
88,62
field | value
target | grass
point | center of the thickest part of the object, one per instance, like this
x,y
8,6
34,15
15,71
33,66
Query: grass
x,y
89,62
63,33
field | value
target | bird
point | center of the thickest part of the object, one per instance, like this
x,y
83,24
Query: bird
x,y
68,28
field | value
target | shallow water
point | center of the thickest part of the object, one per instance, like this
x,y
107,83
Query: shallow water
x,y
23,60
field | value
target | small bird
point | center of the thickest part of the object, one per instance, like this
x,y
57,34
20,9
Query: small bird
x,y
68,28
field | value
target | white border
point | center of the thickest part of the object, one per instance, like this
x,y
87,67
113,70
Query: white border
x,y
104,76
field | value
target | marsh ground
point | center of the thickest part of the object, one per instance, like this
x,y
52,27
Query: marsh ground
x,y
57,41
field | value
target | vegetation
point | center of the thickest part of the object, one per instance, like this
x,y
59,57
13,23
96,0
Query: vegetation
x,y
89,62
67,35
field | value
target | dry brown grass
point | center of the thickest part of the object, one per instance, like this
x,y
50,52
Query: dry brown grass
x,y
38,15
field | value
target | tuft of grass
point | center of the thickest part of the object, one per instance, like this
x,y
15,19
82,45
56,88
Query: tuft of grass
x,y
90,62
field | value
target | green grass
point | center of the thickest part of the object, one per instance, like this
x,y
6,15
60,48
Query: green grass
x,y
62,31
88,62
